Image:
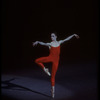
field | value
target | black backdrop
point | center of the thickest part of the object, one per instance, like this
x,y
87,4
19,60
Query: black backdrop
x,y
25,21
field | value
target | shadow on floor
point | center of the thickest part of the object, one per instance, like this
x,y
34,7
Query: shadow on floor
x,y
7,85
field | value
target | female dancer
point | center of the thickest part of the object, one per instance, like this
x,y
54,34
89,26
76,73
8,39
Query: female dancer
x,y
53,57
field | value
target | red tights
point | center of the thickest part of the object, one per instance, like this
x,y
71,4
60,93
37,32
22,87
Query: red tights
x,y
42,60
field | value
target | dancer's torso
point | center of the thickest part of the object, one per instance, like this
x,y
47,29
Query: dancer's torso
x,y
54,52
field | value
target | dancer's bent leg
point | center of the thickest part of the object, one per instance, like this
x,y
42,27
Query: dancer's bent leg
x,y
40,62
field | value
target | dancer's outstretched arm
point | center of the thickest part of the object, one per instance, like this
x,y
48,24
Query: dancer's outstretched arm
x,y
41,43
68,38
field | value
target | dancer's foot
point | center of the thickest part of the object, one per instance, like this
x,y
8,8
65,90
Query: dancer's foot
x,y
47,71
53,91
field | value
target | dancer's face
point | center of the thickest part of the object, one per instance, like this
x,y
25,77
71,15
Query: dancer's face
x,y
53,36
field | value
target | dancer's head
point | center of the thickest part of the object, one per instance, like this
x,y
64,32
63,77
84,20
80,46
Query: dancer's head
x,y
53,36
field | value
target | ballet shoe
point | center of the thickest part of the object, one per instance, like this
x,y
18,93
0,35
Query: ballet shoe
x,y
47,71
52,92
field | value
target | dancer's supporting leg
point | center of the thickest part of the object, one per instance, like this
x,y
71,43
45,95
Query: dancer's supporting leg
x,y
53,73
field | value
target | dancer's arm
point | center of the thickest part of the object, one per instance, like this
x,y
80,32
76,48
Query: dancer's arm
x,y
41,43
68,38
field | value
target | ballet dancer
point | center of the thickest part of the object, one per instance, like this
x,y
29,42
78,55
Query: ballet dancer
x,y
54,47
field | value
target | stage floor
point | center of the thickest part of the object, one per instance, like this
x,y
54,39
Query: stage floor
x,y
74,82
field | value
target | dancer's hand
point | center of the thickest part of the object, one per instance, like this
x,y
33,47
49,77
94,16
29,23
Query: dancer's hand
x,y
35,43
76,36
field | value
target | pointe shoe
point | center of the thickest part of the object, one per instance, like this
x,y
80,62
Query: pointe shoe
x,y
52,92
47,71
53,95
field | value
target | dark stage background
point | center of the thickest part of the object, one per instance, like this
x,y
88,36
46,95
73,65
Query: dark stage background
x,y
26,21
